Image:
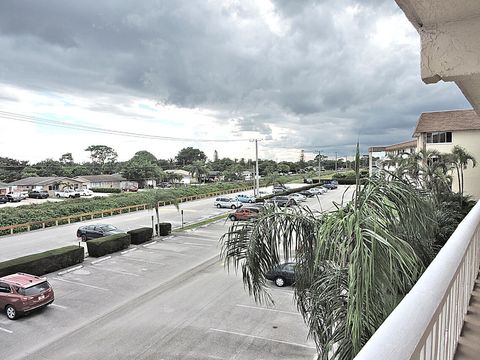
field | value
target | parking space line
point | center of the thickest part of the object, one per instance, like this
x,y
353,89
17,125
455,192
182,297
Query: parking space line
x,y
58,306
144,261
263,338
101,259
150,244
267,309
116,271
128,251
194,244
81,284
6,330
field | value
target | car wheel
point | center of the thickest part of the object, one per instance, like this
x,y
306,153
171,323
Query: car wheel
x,y
84,237
233,207
233,218
57,196
279,281
11,312
219,206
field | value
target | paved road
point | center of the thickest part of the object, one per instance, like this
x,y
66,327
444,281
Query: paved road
x,y
42,240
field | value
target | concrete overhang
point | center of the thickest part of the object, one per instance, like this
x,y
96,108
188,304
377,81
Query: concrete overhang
x,y
450,42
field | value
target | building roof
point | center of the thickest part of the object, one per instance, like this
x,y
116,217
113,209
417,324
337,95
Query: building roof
x,y
180,172
400,146
101,178
3,185
447,121
42,180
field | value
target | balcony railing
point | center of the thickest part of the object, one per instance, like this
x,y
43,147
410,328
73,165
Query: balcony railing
x,y
428,321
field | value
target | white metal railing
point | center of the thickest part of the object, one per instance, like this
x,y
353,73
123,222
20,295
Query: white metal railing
x,y
428,321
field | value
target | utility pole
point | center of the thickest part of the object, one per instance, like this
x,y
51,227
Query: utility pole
x,y
319,165
257,175
336,161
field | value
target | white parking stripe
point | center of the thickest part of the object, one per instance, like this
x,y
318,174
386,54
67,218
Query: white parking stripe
x,y
150,244
263,338
59,306
204,245
81,284
6,330
101,259
267,309
143,261
128,251
116,271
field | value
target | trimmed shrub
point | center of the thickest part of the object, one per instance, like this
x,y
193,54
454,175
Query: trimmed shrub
x,y
108,244
165,228
141,235
44,262
107,190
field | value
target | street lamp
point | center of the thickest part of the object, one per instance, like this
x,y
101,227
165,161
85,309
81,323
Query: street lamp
x,y
257,175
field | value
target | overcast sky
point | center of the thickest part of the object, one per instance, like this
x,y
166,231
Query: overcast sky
x,y
313,75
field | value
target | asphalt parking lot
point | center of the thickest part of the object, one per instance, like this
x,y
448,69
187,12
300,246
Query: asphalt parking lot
x,y
143,304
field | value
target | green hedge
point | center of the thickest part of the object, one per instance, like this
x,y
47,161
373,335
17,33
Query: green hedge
x,y
165,228
287,192
141,235
44,262
51,210
108,244
106,190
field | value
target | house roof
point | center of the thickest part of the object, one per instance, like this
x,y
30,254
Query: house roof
x,y
101,178
400,146
42,180
3,185
180,172
447,121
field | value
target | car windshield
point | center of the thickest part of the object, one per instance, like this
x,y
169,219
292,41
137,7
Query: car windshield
x,y
108,228
34,290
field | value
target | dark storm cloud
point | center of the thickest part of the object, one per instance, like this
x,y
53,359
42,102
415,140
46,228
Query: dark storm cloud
x,y
317,77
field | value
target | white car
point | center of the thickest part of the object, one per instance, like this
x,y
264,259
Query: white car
x,y
85,192
317,191
230,203
297,197
67,193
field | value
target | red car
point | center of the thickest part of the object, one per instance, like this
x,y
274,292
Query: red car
x,y
244,214
21,293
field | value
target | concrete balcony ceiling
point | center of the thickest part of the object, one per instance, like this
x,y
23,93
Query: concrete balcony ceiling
x,y
449,33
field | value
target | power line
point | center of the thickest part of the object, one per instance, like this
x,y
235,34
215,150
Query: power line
x,y
67,125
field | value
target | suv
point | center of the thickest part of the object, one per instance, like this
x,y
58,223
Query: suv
x,y
227,203
282,201
13,197
3,199
38,194
87,232
21,293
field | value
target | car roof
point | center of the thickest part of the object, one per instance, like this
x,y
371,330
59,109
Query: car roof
x,y
22,279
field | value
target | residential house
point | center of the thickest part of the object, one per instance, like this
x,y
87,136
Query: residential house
x,y
3,188
407,147
46,183
442,130
116,181
186,176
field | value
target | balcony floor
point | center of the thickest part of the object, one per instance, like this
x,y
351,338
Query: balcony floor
x,y
469,343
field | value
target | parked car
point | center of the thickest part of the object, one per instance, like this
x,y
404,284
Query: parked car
x,y
131,188
298,197
246,198
13,197
282,201
222,202
306,193
67,193
244,214
97,230
331,185
277,189
23,194
317,190
3,199
85,192
21,293
282,274
38,194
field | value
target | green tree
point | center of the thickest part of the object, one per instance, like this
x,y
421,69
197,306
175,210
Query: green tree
x,y
154,197
197,169
11,169
460,159
49,167
354,264
103,156
188,155
141,167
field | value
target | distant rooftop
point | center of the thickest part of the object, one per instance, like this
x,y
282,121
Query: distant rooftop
x,y
41,180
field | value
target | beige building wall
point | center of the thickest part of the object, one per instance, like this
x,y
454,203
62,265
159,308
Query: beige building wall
x,y
470,141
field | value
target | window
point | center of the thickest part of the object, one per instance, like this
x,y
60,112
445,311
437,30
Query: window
x,y
4,288
439,137
34,290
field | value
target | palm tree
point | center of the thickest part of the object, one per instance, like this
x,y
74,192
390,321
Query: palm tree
x,y
155,197
460,159
354,264
197,169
